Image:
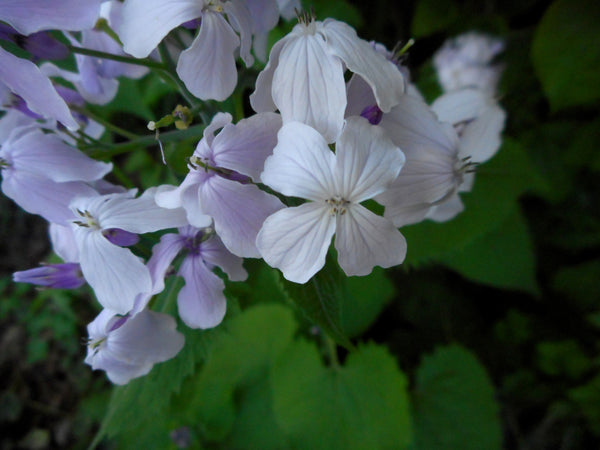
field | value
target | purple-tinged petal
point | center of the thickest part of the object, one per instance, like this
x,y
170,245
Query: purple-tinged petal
x,y
364,240
116,275
446,210
214,252
56,276
241,21
208,67
239,211
295,240
163,255
261,99
63,242
42,45
201,302
47,155
130,350
244,147
24,79
359,96
29,16
146,22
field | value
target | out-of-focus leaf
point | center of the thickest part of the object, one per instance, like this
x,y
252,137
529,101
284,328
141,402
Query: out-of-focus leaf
x,y
432,16
362,405
498,185
320,299
587,397
365,299
240,357
454,406
336,9
503,258
562,358
579,284
566,53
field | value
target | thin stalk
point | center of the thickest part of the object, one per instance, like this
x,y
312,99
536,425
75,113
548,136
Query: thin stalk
x,y
120,58
169,69
331,348
106,124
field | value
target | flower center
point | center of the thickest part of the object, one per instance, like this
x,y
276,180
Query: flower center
x,y
88,221
214,5
337,205
4,163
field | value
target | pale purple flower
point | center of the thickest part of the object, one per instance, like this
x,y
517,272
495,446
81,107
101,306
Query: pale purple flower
x,y
207,67
115,273
128,347
304,77
295,240
42,174
219,184
201,301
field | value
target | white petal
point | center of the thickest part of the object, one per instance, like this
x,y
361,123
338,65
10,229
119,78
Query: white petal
x,y
360,95
261,99
196,216
201,302
218,121
367,161
146,22
481,138
245,146
208,67
462,105
116,275
241,20
447,210
364,240
301,165
139,215
360,57
295,240
63,242
309,87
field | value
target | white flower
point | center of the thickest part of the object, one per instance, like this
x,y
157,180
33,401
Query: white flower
x,y
296,239
304,77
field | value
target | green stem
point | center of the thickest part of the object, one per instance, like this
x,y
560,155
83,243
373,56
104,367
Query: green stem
x,y
106,124
331,347
145,141
124,59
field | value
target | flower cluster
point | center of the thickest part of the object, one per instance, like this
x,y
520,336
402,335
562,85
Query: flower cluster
x,y
312,162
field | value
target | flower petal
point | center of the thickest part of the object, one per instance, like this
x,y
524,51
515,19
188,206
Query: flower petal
x,y
244,147
29,16
239,211
214,252
308,85
361,58
146,22
447,210
116,275
301,165
208,67
163,255
241,20
366,160
295,240
25,79
201,302
261,99
364,240
481,138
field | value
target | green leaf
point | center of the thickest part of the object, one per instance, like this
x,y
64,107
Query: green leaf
x,y
337,9
562,358
587,398
454,406
365,299
498,185
240,356
503,258
362,405
579,283
320,300
566,53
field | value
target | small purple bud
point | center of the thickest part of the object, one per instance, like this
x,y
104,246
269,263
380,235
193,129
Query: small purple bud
x,y
43,46
120,237
20,105
192,24
373,114
58,276
7,33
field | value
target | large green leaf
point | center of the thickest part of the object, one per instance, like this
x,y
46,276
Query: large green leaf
x,y
362,405
433,15
566,53
498,185
239,357
320,299
454,406
503,258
